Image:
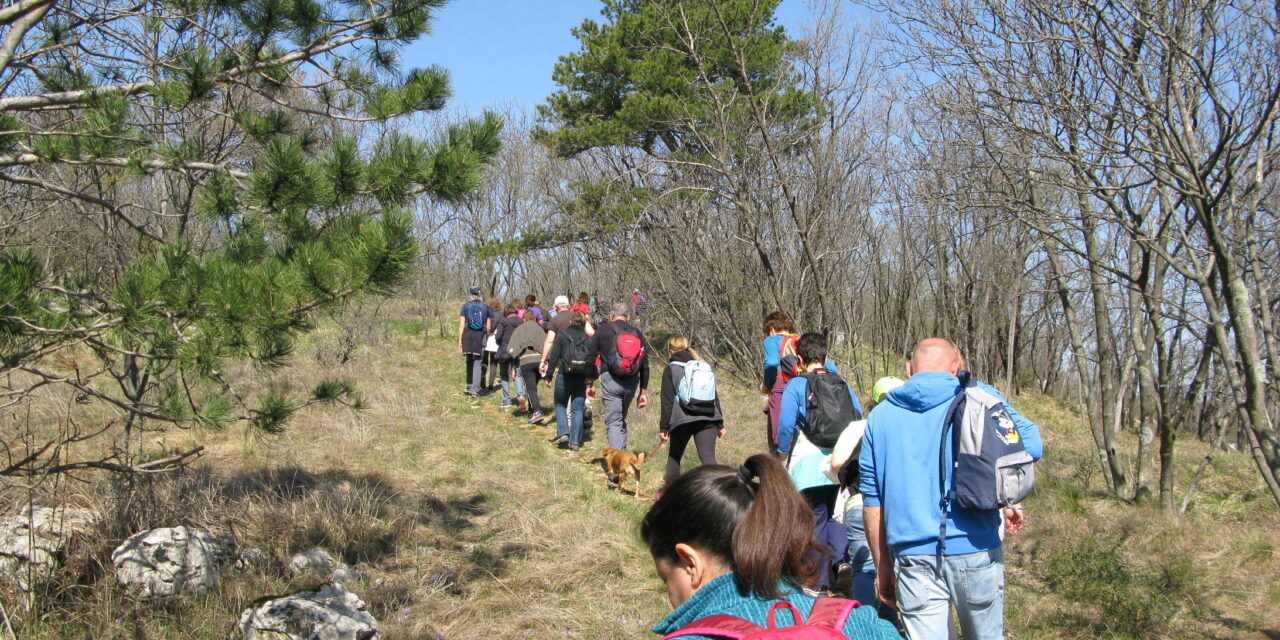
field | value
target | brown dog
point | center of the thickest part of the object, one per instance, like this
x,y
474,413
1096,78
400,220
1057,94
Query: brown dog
x,y
619,462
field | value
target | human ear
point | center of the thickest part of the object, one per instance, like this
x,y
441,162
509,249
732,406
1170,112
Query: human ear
x,y
693,564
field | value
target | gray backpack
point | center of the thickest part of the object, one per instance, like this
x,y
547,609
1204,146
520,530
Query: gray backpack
x,y
991,468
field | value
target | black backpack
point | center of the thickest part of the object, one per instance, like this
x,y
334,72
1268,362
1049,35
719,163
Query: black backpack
x,y
828,408
579,358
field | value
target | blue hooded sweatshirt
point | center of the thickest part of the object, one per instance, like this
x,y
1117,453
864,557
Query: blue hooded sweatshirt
x,y
899,468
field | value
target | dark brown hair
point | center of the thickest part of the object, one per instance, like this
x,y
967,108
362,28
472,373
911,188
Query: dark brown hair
x,y
752,517
531,300
812,347
779,321
583,297
511,308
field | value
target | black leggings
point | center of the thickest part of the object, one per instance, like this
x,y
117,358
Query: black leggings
x,y
530,374
704,436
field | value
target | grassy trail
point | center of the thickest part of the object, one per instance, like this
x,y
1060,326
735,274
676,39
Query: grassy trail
x,y
469,524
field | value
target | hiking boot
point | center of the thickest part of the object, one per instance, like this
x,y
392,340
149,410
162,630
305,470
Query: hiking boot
x,y
536,418
505,405
560,440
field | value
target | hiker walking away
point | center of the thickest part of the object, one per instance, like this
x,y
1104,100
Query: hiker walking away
x,y
526,352
817,406
690,407
582,304
559,322
731,543
624,372
508,368
919,571
489,366
475,321
780,365
531,305
842,468
778,326
640,305
573,356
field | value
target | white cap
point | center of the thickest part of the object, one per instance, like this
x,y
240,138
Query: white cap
x,y
562,301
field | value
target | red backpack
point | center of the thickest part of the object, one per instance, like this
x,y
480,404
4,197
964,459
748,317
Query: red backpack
x,y
826,622
788,361
628,354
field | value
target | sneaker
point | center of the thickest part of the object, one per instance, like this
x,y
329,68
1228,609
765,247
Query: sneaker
x,y
574,447
536,418
505,405
473,394
560,440
523,402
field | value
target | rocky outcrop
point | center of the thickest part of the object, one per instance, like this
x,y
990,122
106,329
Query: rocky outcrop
x,y
173,561
318,563
315,561
327,613
33,542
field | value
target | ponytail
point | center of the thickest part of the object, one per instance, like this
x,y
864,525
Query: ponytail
x,y
676,344
771,542
751,517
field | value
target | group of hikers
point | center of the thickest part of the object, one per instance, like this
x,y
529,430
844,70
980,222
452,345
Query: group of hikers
x,y
902,507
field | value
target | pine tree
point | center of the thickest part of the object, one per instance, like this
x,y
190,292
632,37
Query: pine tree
x,y
187,183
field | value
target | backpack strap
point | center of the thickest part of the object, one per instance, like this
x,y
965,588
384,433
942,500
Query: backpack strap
x,y
831,612
951,426
717,626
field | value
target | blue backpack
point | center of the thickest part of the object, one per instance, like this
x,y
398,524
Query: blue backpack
x,y
697,387
475,313
991,466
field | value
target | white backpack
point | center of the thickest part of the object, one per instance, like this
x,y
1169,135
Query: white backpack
x,y
698,385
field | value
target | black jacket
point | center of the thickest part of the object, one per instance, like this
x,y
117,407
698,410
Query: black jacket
x,y
674,415
506,327
607,335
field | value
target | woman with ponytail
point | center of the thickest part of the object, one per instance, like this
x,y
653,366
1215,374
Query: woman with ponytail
x,y
736,541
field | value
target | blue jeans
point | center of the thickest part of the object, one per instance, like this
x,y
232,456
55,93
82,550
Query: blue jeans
x,y
864,567
512,386
973,582
571,397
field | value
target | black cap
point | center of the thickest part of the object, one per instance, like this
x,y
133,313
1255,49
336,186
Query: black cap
x,y
475,291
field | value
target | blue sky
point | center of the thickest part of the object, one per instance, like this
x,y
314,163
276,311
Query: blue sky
x,y
501,52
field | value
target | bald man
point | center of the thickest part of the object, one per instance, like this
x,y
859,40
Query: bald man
x,y
902,499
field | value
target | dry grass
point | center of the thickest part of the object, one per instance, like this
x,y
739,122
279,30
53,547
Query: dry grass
x,y
470,525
